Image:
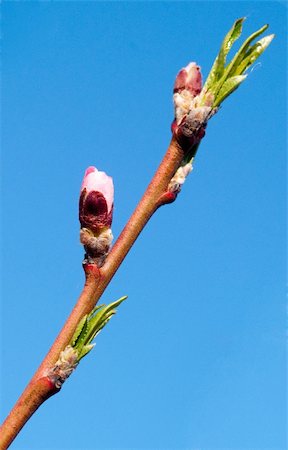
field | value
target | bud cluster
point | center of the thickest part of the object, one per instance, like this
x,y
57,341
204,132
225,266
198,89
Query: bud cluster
x,y
192,108
95,215
194,104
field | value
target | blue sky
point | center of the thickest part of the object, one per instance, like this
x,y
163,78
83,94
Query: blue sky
x,y
195,357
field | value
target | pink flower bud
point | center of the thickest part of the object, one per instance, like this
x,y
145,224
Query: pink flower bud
x,y
193,109
96,200
189,79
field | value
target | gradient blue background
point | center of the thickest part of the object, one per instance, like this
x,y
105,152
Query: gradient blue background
x,y
195,357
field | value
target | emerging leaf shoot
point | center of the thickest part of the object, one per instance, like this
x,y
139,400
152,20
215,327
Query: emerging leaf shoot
x,y
81,343
224,78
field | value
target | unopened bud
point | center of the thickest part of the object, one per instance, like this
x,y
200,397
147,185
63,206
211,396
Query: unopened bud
x,y
95,214
96,200
189,79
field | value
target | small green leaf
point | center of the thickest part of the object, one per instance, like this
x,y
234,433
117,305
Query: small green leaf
x,y
85,350
78,331
92,313
228,87
101,324
241,54
114,305
219,63
107,309
79,341
99,321
89,333
253,53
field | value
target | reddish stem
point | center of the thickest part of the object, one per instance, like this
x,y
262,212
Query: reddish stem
x,y
40,387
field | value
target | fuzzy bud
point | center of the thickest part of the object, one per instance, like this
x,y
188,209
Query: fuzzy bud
x,y
179,178
97,246
64,366
189,79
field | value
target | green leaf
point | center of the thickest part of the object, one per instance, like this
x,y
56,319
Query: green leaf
x,y
79,341
92,313
100,320
241,54
115,304
78,330
253,53
105,319
85,350
228,87
219,63
92,325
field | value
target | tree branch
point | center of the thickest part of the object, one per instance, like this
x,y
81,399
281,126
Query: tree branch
x,y
40,387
